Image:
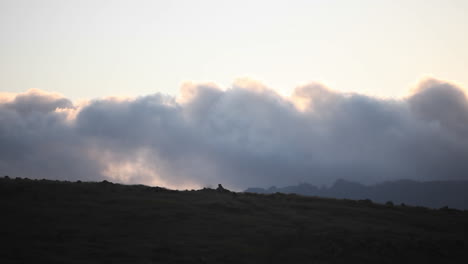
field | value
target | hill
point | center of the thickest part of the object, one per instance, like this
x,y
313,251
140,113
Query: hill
x,y
434,194
46,221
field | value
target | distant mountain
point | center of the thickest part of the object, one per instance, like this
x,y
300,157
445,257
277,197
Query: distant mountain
x,y
434,194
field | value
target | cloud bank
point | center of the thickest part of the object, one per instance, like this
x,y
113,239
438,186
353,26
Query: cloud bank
x,y
247,135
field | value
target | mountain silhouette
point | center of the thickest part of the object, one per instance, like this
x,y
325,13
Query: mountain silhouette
x,y
433,194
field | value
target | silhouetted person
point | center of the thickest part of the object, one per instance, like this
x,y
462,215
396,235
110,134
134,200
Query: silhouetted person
x,y
221,188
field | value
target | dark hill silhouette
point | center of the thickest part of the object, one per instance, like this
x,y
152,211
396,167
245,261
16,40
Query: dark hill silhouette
x,y
434,194
45,221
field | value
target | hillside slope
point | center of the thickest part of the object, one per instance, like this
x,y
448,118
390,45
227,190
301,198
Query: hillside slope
x,y
61,222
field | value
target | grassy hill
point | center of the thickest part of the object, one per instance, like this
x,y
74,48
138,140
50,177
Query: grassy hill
x,y
46,221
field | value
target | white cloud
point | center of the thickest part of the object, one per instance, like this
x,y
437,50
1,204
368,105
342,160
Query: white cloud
x,y
243,136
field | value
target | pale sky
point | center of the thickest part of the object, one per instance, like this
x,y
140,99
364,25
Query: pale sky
x,y
86,49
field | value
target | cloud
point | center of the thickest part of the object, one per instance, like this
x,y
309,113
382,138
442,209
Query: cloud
x,y
37,141
247,135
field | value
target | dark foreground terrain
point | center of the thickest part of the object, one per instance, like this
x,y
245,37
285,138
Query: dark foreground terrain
x,y
60,222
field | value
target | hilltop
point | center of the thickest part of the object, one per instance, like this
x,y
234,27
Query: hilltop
x,y
47,221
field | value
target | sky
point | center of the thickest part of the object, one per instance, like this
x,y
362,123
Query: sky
x,y
187,94
87,49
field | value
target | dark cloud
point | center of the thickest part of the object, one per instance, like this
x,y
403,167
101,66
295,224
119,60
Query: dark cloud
x,y
37,140
247,135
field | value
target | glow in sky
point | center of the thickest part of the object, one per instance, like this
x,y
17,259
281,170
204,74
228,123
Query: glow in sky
x,y
87,49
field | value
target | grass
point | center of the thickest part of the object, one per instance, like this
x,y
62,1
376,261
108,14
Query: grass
x,y
46,221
